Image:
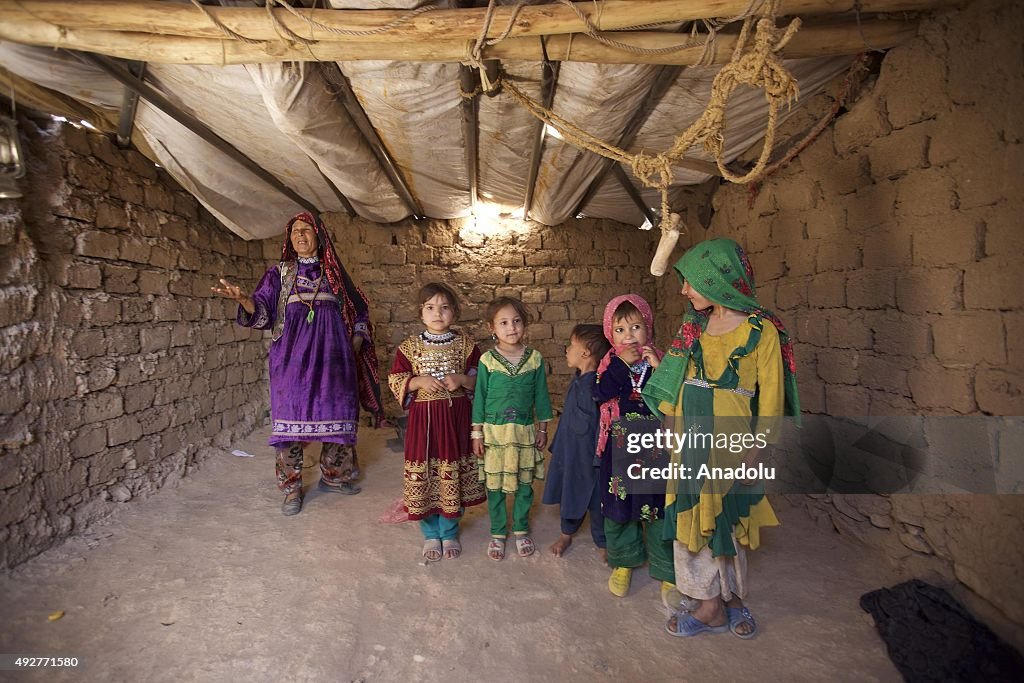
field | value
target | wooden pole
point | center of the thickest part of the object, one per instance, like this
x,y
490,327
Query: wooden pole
x,y
156,99
549,80
634,194
844,38
184,19
339,81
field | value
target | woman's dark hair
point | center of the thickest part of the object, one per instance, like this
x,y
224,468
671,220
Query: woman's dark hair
x,y
593,339
432,289
503,301
626,310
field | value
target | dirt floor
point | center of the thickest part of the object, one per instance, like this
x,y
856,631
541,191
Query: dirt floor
x,y
207,581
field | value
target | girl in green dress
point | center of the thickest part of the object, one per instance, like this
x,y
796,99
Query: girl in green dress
x,y
730,371
511,411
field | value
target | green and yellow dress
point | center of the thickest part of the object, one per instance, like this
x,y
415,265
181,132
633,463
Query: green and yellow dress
x,y
510,399
730,376
729,385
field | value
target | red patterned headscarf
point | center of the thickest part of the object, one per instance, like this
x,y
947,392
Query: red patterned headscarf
x,y
610,409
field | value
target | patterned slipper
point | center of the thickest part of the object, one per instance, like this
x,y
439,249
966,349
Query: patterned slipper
x,y
524,546
496,549
688,625
452,548
432,550
741,615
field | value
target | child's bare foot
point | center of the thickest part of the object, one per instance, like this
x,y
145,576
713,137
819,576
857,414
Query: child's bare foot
x,y
559,546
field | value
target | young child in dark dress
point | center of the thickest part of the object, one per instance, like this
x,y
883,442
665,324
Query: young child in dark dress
x,y
573,473
632,519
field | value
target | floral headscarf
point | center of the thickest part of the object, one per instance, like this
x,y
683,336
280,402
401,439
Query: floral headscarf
x,y
610,409
720,271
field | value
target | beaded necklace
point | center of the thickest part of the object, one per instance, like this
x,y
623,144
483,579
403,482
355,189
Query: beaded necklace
x,y
316,290
637,372
437,339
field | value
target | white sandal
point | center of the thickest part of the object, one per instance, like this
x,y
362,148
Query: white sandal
x,y
431,546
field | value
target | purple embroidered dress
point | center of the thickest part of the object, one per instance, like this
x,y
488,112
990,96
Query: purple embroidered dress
x,y
313,383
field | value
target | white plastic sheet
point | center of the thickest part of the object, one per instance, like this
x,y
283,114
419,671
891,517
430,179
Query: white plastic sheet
x,y
305,108
287,118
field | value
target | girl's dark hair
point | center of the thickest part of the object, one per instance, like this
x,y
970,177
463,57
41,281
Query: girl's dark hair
x,y
503,301
626,310
592,337
432,289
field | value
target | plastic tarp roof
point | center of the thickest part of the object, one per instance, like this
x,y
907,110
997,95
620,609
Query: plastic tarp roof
x,y
289,120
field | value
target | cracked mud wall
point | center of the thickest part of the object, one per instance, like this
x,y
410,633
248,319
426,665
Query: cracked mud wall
x,y
118,367
891,248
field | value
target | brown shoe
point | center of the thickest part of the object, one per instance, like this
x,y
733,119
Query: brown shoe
x,y
345,487
292,504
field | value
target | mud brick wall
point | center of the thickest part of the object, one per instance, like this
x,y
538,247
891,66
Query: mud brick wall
x,y
891,247
119,371
565,275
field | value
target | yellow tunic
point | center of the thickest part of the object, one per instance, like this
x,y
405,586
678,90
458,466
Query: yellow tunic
x,y
759,371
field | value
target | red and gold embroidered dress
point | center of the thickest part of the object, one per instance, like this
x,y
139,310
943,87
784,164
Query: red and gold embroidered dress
x,y
440,473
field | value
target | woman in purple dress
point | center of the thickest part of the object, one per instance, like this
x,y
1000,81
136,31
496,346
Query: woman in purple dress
x,y
322,360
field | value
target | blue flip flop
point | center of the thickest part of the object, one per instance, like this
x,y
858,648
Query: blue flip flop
x,y
688,625
741,615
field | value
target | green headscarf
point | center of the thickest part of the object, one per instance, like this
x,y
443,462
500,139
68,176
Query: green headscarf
x,y
719,271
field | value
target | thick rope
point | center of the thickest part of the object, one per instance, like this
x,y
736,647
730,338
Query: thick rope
x,y
285,33
759,67
853,78
224,28
351,33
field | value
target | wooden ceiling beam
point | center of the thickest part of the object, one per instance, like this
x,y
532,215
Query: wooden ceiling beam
x,y
468,82
34,96
634,194
841,38
129,103
184,19
662,81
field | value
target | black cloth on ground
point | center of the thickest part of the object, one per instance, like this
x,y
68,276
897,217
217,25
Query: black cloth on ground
x,y
931,637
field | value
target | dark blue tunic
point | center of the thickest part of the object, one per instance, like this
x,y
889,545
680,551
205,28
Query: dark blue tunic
x,y
618,502
572,474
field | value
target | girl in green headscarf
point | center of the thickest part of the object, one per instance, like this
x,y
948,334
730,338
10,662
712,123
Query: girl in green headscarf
x,y
729,373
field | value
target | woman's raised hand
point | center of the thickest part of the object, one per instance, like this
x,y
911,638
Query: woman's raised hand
x,y
234,292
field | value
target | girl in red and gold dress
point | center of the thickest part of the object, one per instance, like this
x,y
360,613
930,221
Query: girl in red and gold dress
x,y
433,375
